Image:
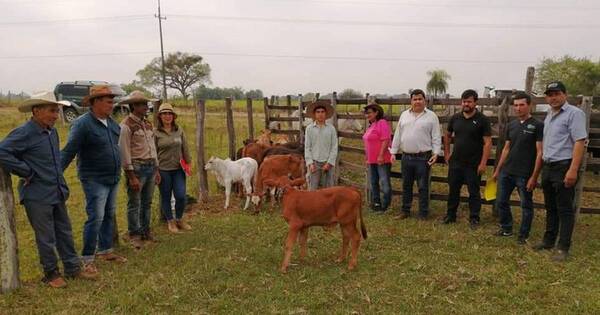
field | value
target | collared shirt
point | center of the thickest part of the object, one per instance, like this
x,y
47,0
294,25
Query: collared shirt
x,y
378,132
96,147
32,152
320,144
561,131
171,147
416,133
136,141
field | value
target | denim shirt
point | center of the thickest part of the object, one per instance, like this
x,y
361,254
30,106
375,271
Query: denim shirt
x,y
96,147
32,152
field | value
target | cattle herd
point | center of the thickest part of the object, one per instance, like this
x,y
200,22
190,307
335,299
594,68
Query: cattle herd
x,y
263,167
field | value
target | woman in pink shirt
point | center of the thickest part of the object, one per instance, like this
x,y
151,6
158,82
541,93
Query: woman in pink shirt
x,y
377,142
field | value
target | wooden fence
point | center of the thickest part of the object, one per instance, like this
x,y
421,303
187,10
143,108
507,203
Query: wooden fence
x,y
449,106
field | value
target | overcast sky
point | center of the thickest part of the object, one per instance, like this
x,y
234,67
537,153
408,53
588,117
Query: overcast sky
x,y
376,46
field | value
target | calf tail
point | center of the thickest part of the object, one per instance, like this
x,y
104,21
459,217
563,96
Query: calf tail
x,y
363,228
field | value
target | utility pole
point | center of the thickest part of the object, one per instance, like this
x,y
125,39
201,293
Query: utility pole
x,y
162,51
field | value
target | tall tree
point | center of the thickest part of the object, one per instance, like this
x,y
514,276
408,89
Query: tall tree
x,y
580,75
438,82
350,93
182,71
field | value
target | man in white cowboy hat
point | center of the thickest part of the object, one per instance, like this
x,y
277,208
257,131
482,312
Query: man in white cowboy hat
x,y
320,146
140,162
94,140
31,151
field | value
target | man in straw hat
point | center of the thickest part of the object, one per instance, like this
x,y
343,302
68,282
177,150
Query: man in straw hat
x,y
31,151
94,140
140,162
320,145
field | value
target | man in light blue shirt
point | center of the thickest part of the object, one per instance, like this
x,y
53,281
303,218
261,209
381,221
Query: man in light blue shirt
x,y
563,150
320,146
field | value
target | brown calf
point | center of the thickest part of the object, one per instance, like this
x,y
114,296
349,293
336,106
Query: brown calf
x,y
273,167
323,207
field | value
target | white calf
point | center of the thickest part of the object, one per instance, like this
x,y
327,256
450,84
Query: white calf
x,y
228,172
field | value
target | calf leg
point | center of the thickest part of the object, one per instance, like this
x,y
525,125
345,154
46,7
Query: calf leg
x,y
355,239
227,193
303,241
289,245
345,242
248,189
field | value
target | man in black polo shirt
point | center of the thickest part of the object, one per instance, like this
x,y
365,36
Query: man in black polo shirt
x,y
519,166
471,133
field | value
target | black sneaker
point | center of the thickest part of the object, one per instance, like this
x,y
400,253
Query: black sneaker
x,y
376,207
502,232
448,220
542,246
474,223
522,240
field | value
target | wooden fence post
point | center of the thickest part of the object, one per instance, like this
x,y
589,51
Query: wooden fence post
x,y
503,118
267,115
200,156
230,128
9,257
288,103
250,112
334,120
586,107
300,120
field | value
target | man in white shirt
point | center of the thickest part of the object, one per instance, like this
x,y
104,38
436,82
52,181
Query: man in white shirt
x,y
418,138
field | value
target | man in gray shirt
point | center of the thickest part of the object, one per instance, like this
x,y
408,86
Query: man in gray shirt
x,y
563,149
320,145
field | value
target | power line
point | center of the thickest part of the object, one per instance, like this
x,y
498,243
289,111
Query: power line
x,y
316,21
388,24
283,56
445,5
76,20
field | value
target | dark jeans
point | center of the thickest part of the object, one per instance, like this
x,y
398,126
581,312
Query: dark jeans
x,y
560,205
172,183
100,205
52,229
415,169
457,177
506,184
379,177
139,202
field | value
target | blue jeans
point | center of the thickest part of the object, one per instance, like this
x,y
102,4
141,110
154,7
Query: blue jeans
x,y
172,182
379,176
415,169
100,205
506,184
139,202
458,176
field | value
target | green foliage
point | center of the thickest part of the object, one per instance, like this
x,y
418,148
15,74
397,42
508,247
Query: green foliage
x,y
219,93
580,75
182,71
350,93
136,85
438,82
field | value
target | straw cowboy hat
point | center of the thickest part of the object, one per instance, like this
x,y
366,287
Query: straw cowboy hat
x,y
310,109
166,108
40,99
135,97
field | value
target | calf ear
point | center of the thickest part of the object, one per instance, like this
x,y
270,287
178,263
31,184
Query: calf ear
x,y
297,182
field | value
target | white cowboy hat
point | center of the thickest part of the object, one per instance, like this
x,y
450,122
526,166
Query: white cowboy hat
x,y
40,98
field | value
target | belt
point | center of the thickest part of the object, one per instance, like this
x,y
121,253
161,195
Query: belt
x,y
557,163
143,161
420,154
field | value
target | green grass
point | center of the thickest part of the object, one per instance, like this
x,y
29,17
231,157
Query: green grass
x,y
229,263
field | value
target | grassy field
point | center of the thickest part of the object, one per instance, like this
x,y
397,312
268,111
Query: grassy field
x,y
228,264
